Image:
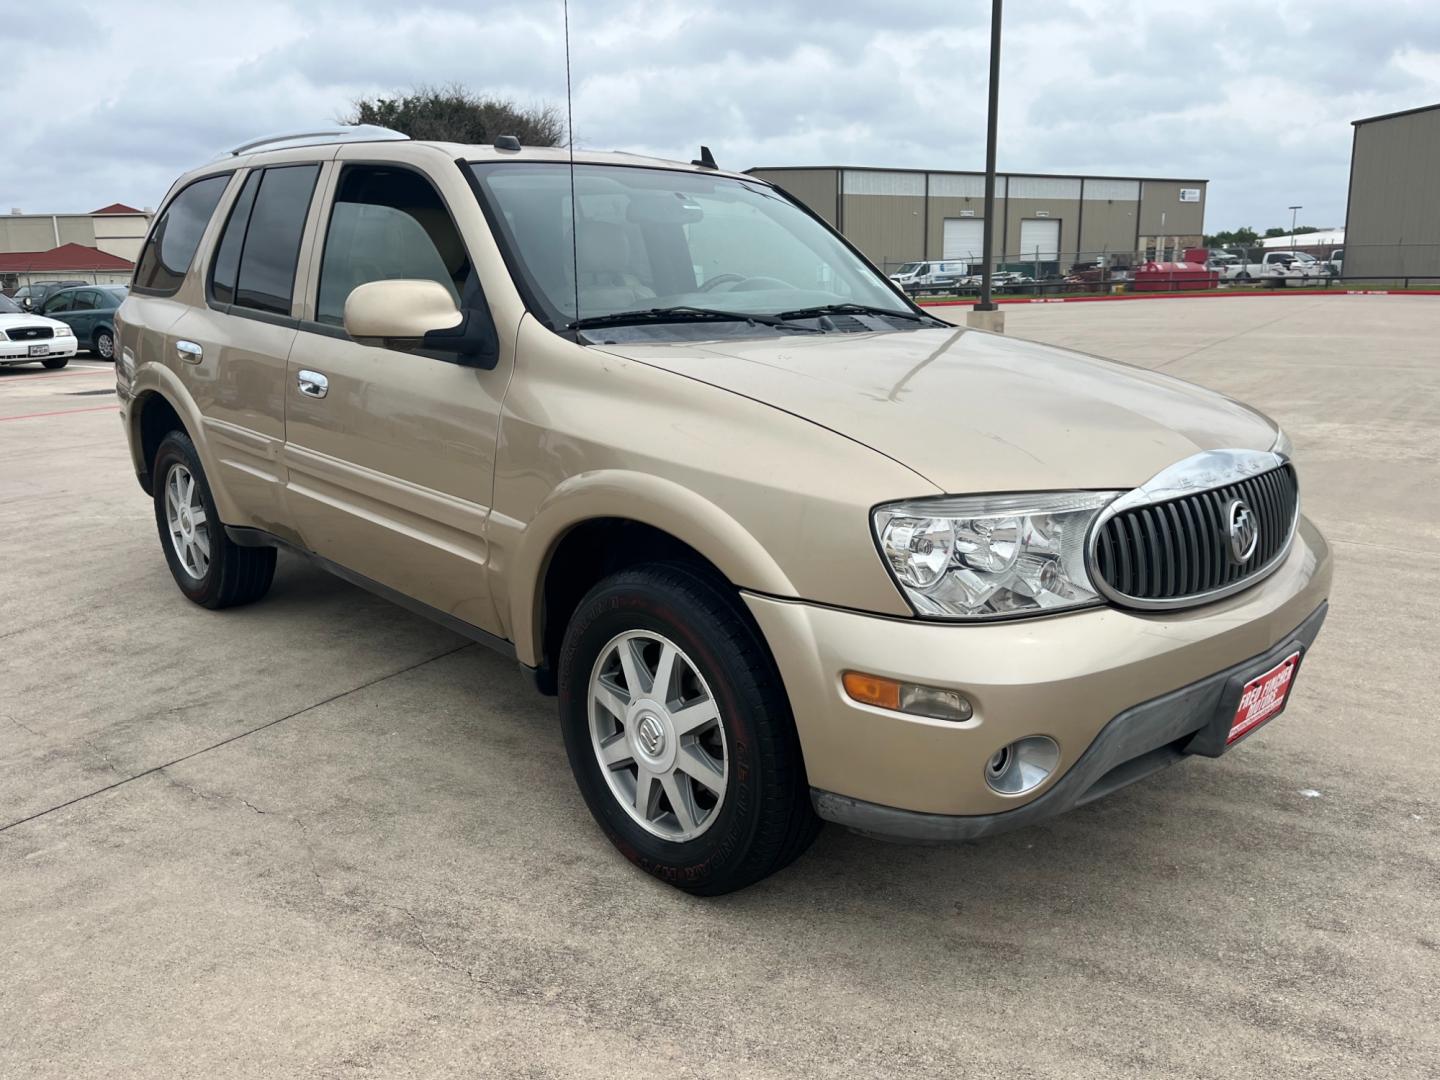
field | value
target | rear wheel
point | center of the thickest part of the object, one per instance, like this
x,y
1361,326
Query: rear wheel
x,y
679,732
56,364
210,569
104,345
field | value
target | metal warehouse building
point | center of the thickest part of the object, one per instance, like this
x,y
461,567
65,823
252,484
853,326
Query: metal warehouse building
x,y
900,215
1392,222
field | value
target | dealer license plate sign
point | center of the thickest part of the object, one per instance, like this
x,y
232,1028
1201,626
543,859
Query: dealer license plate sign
x,y
39,350
1263,698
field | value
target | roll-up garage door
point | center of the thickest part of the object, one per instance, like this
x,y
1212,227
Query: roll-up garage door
x,y
1039,240
964,239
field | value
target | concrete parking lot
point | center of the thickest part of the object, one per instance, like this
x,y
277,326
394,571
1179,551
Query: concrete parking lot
x,y
322,837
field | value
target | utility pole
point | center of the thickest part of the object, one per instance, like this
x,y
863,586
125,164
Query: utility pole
x,y
986,315
1293,211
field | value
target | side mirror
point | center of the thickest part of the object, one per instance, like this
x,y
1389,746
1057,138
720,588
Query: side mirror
x,y
420,316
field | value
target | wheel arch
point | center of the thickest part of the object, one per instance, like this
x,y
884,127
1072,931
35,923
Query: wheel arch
x,y
595,524
160,404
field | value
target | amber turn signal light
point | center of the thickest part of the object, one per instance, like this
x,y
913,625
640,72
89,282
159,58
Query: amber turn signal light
x,y
933,701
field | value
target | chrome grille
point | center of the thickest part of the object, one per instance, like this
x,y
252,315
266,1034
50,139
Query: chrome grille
x,y
1178,550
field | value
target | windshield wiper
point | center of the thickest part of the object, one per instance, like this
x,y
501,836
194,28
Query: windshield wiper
x,y
684,313
851,309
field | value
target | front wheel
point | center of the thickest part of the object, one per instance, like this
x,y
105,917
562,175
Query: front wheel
x,y
209,567
105,345
679,732
56,364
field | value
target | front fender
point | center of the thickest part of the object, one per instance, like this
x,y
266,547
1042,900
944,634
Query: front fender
x,y
521,552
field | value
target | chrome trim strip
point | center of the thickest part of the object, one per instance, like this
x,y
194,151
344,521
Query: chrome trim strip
x,y
1205,471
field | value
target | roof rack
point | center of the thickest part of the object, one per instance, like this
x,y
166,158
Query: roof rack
x,y
348,133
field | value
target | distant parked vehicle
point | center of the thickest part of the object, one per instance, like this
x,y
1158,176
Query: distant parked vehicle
x,y
90,312
1336,263
1221,262
1277,268
30,297
930,276
33,339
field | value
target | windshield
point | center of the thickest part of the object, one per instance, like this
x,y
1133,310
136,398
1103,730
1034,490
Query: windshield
x,y
9,307
656,238
910,268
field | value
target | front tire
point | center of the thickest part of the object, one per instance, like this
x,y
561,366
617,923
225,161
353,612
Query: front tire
x,y
104,345
56,364
210,569
679,732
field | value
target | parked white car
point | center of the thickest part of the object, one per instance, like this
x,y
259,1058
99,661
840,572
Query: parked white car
x,y
1279,268
33,339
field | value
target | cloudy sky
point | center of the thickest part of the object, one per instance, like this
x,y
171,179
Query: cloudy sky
x,y
1255,96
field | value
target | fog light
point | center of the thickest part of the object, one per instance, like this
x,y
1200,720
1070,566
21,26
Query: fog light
x,y
1023,765
934,702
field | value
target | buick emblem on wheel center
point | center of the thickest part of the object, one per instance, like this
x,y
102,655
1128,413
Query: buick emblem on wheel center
x,y
1244,533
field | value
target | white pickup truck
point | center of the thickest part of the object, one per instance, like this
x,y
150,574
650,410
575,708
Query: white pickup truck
x,y
1278,268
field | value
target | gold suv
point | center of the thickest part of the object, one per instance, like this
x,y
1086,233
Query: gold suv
x,y
786,547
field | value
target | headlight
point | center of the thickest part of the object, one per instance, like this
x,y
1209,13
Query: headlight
x,y
64,331
1282,445
988,556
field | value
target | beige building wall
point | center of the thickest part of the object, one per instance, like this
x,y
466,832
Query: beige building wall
x,y
1392,227
30,232
121,234
895,216
817,188
1163,214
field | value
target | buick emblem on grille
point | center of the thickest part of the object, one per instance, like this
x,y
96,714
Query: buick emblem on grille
x,y
1244,532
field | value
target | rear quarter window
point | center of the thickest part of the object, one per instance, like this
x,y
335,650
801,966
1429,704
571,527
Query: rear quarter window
x,y
176,236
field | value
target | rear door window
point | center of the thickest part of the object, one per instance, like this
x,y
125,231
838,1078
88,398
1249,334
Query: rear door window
x,y
226,266
171,247
271,248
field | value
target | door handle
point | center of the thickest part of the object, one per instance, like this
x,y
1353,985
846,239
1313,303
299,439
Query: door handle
x,y
312,383
189,352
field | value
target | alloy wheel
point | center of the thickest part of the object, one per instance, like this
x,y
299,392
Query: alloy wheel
x,y
185,516
656,731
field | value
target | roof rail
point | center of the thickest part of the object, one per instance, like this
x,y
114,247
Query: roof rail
x,y
347,133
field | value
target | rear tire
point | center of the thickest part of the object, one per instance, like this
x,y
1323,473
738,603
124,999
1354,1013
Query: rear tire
x,y
209,568
55,364
744,801
104,345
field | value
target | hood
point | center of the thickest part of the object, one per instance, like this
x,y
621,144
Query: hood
x,y
7,320
975,412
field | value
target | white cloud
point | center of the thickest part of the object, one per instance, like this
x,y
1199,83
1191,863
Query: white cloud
x,y
1258,98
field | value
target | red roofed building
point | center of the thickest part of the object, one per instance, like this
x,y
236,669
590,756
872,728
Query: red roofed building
x,y
99,247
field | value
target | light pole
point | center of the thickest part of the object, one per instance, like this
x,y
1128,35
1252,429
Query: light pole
x,y
985,314
1293,211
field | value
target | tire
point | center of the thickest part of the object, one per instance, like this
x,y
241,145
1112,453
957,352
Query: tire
x,y
228,575
742,827
104,346
56,364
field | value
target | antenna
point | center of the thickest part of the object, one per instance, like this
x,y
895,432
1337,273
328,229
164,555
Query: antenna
x,y
570,144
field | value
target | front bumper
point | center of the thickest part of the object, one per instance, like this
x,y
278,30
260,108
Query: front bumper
x,y
1140,741
1067,677
18,352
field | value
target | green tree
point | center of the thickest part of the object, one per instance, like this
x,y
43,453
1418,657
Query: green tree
x,y
1242,237
454,114
1280,230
